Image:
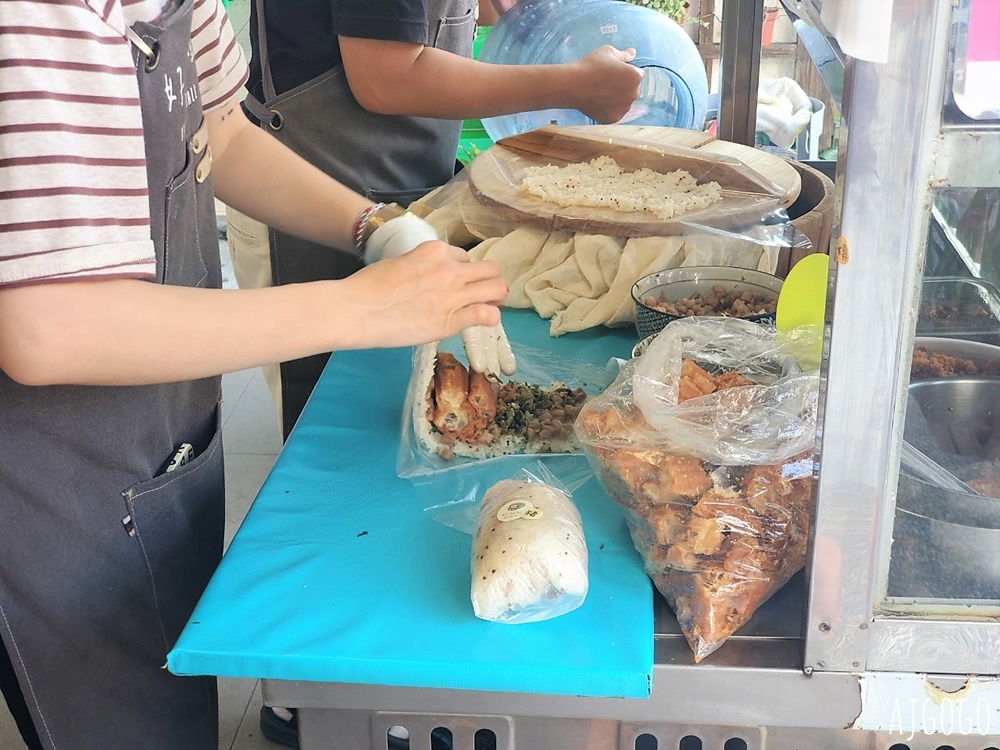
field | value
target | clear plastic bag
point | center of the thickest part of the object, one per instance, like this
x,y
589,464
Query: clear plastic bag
x,y
715,482
529,552
752,206
448,485
486,199
768,420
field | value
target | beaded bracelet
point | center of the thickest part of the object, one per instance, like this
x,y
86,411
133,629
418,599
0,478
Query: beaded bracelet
x,y
371,219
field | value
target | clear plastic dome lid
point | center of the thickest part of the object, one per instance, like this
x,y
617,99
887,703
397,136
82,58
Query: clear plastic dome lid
x,y
674,91
522,27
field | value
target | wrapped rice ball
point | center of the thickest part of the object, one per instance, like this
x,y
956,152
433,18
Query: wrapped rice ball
x,y
529,554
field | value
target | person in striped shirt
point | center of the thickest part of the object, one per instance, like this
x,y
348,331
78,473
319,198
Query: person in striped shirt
x,y
117,119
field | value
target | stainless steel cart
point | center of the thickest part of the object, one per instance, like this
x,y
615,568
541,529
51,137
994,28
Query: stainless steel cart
x,y
833,660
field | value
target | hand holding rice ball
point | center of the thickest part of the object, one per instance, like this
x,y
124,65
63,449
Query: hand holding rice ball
x,y
529,554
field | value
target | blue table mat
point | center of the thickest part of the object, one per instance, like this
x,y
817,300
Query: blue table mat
x,y
337,575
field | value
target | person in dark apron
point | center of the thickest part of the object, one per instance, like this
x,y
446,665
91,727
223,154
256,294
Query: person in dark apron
x,y
127,548
303,96
109,533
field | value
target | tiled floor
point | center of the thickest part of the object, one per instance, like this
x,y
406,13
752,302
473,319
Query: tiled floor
x,y
252,440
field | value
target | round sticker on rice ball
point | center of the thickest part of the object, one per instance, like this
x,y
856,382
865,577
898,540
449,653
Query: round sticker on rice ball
x,y
518,509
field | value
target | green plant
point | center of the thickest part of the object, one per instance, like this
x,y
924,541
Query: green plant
x,y
676,10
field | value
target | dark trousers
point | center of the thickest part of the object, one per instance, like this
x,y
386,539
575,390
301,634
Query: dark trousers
x,y
15,701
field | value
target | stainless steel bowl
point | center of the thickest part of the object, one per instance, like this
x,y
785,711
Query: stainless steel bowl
x,y
961,414
946,543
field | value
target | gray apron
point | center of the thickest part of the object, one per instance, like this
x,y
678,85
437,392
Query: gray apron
x,y
386,158
103,555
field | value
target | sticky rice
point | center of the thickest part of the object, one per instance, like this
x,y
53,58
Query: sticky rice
x,y
602,183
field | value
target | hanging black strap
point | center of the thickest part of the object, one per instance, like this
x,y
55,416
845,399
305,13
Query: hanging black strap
x,y
272,118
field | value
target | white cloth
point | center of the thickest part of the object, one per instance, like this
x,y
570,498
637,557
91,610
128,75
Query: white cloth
x,y
580,281
783,110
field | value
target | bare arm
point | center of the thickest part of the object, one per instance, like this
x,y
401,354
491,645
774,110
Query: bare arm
x,y
125,332
258,175
399,78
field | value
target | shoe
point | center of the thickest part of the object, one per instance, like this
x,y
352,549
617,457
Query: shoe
x,y
278,729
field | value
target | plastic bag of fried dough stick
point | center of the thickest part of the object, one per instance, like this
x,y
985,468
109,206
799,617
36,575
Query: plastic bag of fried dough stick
x,y
529,554
720,526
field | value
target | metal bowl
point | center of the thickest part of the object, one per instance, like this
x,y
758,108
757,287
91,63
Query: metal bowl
x,y
947,543
961,415
681,283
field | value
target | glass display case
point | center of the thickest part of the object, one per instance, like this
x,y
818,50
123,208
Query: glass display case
x,y
907,550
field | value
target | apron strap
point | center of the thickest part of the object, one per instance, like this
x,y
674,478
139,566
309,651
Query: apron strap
x,y
271,117
150,52
265,66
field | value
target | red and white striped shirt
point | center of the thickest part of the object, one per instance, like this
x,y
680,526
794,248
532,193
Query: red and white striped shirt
x,y
73,192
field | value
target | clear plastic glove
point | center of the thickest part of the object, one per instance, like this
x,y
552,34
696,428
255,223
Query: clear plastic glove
x,y
488,350
486,347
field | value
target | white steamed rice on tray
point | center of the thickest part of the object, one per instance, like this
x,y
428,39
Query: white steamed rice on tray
x,y
603,183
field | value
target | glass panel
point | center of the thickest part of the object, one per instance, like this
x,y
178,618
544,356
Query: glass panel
x,y
976,60
946,537
965,234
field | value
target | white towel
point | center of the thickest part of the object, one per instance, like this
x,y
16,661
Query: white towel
x,y
783,110
580,281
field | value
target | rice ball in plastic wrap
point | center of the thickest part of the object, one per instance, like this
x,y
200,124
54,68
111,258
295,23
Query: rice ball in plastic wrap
x,y
529,553
706,440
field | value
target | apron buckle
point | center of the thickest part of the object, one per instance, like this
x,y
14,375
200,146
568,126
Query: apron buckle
x,y
150,52
277,122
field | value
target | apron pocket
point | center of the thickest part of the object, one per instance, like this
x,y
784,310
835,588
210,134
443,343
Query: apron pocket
x,y
184,266
178,522
456,33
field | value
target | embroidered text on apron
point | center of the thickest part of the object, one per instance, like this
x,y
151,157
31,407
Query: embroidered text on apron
x,y
403,159
103,555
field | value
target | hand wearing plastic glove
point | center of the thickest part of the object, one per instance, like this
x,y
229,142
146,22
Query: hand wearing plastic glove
x,y
486,347
488,350
398,236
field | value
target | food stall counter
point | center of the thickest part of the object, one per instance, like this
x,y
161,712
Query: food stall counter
x,y
337,573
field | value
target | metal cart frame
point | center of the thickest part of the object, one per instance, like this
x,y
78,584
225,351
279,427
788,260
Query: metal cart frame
x,y
829,662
